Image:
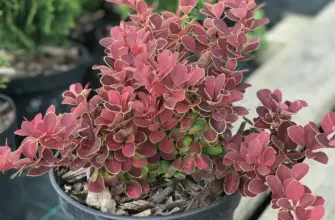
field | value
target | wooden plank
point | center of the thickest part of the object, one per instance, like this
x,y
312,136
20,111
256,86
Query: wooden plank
x,y
303,70
287,30
307,72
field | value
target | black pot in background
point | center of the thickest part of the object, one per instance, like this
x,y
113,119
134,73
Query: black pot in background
x,y
8,134
11,193
35,94
98,53
223,209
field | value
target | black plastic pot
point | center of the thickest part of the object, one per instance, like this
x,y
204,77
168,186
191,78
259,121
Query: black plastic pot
x,y
8,134
223,209
35,94
11,193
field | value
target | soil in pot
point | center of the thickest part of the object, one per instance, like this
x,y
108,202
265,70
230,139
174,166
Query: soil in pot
x,y
37,82
180,199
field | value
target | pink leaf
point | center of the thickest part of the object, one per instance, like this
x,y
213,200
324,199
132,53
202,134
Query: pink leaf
x,y
284,203
257,186
204,162
133,189
218,9
317,213
147,149
231,183
328,123
294,190
299,170
321,157
156,136
128,150
284,215
50,122
307,200
283,173
195,147
166,145
188,42
113,166
275,186
297,135
189,164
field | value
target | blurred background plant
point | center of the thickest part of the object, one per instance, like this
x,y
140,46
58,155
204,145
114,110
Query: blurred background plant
x,y
26,25
5,59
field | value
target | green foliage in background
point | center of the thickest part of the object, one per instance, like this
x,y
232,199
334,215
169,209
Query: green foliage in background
x,y
91,5
4,62
27,24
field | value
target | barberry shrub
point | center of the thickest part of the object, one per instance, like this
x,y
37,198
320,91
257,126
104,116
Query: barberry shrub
x,y
166,108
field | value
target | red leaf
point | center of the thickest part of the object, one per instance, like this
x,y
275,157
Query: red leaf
x,y
204,162
321,157
284,203
210,136
50,122
133,189
283,173
29,148
284,215
98,185
139,162
189,164
218,9
231,183
113,166
299,170
257,186
218,127
166,145
297,135
147,149
195,148
128,150
307,200
156,136
188,42
178,164
38,171
239,12
275,186
294,190
328,123
317,213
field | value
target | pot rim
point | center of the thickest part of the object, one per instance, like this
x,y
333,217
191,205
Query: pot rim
x,y
119,217
12,104
14,84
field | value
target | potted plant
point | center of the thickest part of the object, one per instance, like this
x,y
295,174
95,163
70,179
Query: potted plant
x,y
43,62
157,139
14,189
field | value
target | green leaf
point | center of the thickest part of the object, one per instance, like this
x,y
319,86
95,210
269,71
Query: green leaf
x,y
215,150
163,166
95,175
198,126
180,175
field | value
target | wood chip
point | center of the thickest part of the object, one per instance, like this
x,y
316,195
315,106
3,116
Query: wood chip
x,y
137,206
121,212
145,213
160,197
